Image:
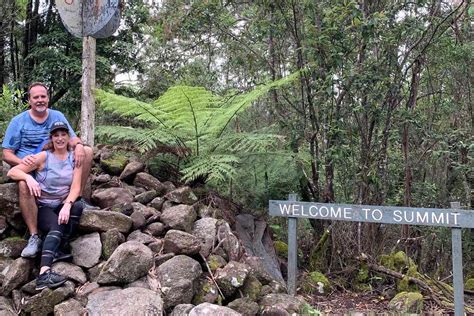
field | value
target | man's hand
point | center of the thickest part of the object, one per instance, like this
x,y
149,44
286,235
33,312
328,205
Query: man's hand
x,y
63,216
29,160
79,155
33,186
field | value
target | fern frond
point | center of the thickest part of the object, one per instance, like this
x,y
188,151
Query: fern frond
x,y
215,168
249,142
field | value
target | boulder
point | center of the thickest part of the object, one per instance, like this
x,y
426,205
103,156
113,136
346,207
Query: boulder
x,y
8,198
6,307
124,208
115,164
182,195
205,229
12,247
129,262
146,197
71,271
206,309
157,203
181,309
156,246
17,273
86,250
180,217
147,211
111,196
245,306
155,229
69,308
407,302
111,239
231,277
129,301
206,291
130,170
140,237
43,303
178,277
280,304
138,220
215,262
252,288
180,242
142,282
231,243
3,224
149,182
101,221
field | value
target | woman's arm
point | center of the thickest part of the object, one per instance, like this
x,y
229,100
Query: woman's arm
x,y
21,172
63,216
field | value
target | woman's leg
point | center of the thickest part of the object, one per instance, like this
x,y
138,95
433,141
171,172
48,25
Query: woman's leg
x,y
71,226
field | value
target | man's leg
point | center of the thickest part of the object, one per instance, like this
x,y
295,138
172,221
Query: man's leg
x,y
29,210
28,207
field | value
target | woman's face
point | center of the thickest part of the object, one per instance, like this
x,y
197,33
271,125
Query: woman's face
x,y
60,139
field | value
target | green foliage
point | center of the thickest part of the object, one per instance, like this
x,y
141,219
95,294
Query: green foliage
x,y
10,105
194,119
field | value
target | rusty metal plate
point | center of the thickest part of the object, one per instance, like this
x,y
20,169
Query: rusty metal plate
x,y
110,27
86,17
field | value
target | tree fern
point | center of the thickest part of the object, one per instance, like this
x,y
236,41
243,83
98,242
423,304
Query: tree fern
x,y
195,118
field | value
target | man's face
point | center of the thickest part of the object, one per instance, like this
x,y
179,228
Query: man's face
x,y
38,99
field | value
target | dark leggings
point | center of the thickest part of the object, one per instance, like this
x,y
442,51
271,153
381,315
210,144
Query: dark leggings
x,y
56,235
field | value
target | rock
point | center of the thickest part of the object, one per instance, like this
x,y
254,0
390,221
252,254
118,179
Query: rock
x,y
207,211
111,196
162,258
157,203
71,271
17,274
206,309
252,288
180,217
129,262
156,246
6,307
130,301
115,164
316,283
206,291
101,221
180,242
245,306
182,310
278,304
258,269
231,243
231,277
140,237
145,210
86,250
138,220
87,289
69,308
16,220
12,247
3,224
146,197
111,239
8,198
205,229
93,272
131,169
124,208
178,277
407,302
155,229
215,262
102,178
43,303
149,182
142,283
182,195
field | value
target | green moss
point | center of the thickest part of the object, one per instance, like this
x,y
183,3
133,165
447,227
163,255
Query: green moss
x,y
215,262
281,248
115,164
316,283
14,238
407,302
363,273
469,285
252,288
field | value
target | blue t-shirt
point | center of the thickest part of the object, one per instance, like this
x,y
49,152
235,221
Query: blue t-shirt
x,y
25,136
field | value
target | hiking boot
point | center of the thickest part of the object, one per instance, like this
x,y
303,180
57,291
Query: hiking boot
x,y
49,279
61,256
33,247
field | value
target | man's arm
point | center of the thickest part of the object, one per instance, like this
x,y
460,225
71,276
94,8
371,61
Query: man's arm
x,y
10,158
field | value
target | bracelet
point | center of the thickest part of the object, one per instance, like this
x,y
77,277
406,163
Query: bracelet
x,y
69,202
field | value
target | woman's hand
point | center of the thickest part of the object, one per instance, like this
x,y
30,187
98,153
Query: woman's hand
x,y
63,216
33,185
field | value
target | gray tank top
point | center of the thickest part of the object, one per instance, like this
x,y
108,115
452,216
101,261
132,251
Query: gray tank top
x,y
55,179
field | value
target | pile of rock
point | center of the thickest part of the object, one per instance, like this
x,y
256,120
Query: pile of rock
x,y
149,248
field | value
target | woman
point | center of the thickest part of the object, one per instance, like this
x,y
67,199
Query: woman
x,y
56,186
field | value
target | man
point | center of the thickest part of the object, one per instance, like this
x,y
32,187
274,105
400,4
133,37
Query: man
x,y
25,135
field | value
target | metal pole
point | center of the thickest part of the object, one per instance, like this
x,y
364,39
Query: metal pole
x,y
458,281
292,250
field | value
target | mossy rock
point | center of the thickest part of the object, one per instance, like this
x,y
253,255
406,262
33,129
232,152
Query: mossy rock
x,y
407,302
215,262
397,261
115,164
281,248
316,283
469,285
252,288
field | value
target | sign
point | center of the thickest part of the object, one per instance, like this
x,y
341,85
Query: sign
x,y
86,17
374,214
110,27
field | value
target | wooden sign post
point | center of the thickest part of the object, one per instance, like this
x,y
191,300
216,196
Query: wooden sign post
x,y
455,218
89,19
